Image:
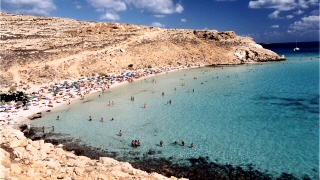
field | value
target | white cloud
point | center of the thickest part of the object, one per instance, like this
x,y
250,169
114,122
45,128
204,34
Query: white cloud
x,y
78,6
290,16
110,15
183,20
114,5
298,12
179,8
283,5
157,7
160,16
315,12
274,15
275,26
33,7
157,24
306,23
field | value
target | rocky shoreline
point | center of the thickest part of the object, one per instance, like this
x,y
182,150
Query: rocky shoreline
x,y
150,167
22,158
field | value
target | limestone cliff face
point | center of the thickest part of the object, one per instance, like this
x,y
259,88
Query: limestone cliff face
x,y
39,49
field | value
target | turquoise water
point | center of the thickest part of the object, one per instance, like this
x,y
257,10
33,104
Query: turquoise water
x,y
265,114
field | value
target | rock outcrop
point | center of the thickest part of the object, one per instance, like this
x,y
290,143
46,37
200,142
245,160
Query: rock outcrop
x,y
41,49
22,158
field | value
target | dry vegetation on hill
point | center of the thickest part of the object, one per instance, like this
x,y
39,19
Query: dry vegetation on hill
x,y
41,49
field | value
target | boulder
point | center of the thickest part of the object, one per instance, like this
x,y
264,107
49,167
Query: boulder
x,y
52,164
32,150
47,147
42,155
19,152
78,170
36,144
14,143
108,161
30,172
15,169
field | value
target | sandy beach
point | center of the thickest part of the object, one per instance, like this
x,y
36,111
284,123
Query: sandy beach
x,y
43,98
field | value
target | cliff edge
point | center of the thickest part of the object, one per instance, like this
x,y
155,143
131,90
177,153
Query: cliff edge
x,y
41,49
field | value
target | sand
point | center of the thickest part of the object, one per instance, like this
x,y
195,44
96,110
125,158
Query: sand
x,y
16,117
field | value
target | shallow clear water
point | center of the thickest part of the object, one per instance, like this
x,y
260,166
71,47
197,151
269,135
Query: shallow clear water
x,y
266,115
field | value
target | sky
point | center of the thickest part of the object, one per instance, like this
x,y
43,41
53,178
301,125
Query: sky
x,y
266,21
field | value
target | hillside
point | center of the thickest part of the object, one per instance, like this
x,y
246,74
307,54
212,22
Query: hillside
x,y
42,49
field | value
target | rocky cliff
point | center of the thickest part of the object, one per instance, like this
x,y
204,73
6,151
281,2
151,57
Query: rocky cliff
x,y
38,49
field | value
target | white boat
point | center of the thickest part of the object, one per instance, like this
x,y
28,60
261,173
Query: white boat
x,y
296,48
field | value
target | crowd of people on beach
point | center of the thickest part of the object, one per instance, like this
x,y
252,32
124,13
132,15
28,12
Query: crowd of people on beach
x,y
54,94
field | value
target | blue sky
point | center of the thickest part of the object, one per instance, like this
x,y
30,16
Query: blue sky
x,y
266,21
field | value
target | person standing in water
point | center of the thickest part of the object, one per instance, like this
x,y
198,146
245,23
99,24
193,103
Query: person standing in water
x,y
120,133
182,142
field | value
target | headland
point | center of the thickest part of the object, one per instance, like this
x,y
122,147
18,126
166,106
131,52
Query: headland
x,y
53,60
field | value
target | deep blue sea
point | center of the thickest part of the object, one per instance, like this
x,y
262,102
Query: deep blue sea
x,y
263,114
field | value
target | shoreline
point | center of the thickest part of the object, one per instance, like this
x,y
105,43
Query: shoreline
x,y
158,165
19,117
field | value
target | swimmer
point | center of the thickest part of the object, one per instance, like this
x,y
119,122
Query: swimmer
x,y
138,143
58,117
90,118
112,119
162,93
176,142
161,143
192,145
133,144
170,101
182,142
120,133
